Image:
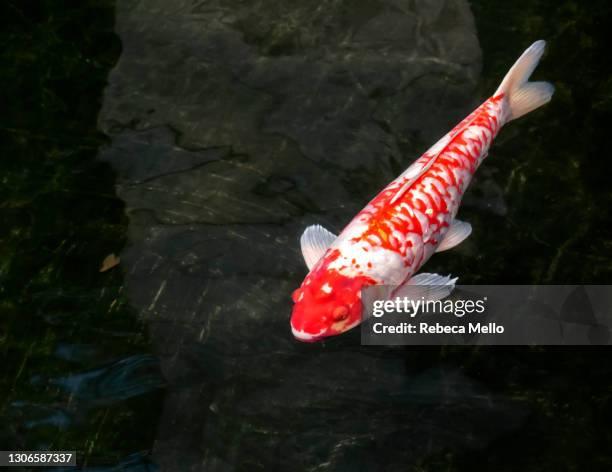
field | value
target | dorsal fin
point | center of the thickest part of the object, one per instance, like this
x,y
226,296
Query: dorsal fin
x,y
435,150
413,175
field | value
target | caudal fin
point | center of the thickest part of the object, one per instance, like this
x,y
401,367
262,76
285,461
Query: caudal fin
x,y
524,96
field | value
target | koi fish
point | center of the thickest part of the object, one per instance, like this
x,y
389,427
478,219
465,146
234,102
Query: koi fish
x,y
409,220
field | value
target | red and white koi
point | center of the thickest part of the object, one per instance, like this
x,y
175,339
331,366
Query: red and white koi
x,y
411,219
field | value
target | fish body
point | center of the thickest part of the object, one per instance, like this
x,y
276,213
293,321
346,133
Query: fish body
x,y
412,218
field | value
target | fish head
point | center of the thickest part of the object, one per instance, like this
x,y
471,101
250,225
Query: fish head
x,y
326,304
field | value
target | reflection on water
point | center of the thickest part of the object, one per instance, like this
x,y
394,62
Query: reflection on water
x,y
41,415
231,126
118,381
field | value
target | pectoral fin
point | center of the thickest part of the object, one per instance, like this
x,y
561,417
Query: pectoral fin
x,y
315,241
458,231
428,286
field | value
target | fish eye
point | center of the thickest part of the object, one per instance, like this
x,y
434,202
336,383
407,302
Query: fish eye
x,y
340,313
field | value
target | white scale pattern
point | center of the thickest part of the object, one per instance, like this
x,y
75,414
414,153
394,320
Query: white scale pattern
x,y
368,257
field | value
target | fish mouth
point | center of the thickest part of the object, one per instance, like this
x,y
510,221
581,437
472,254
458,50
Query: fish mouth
x,y
307,337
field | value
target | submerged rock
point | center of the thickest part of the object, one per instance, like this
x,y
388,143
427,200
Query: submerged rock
x,y
233,125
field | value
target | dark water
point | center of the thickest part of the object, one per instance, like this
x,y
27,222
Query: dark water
x,y
197,140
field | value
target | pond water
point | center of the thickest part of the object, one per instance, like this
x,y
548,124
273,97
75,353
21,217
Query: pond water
x,y
196,140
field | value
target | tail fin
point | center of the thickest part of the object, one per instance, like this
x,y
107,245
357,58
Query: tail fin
x,y
524,96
